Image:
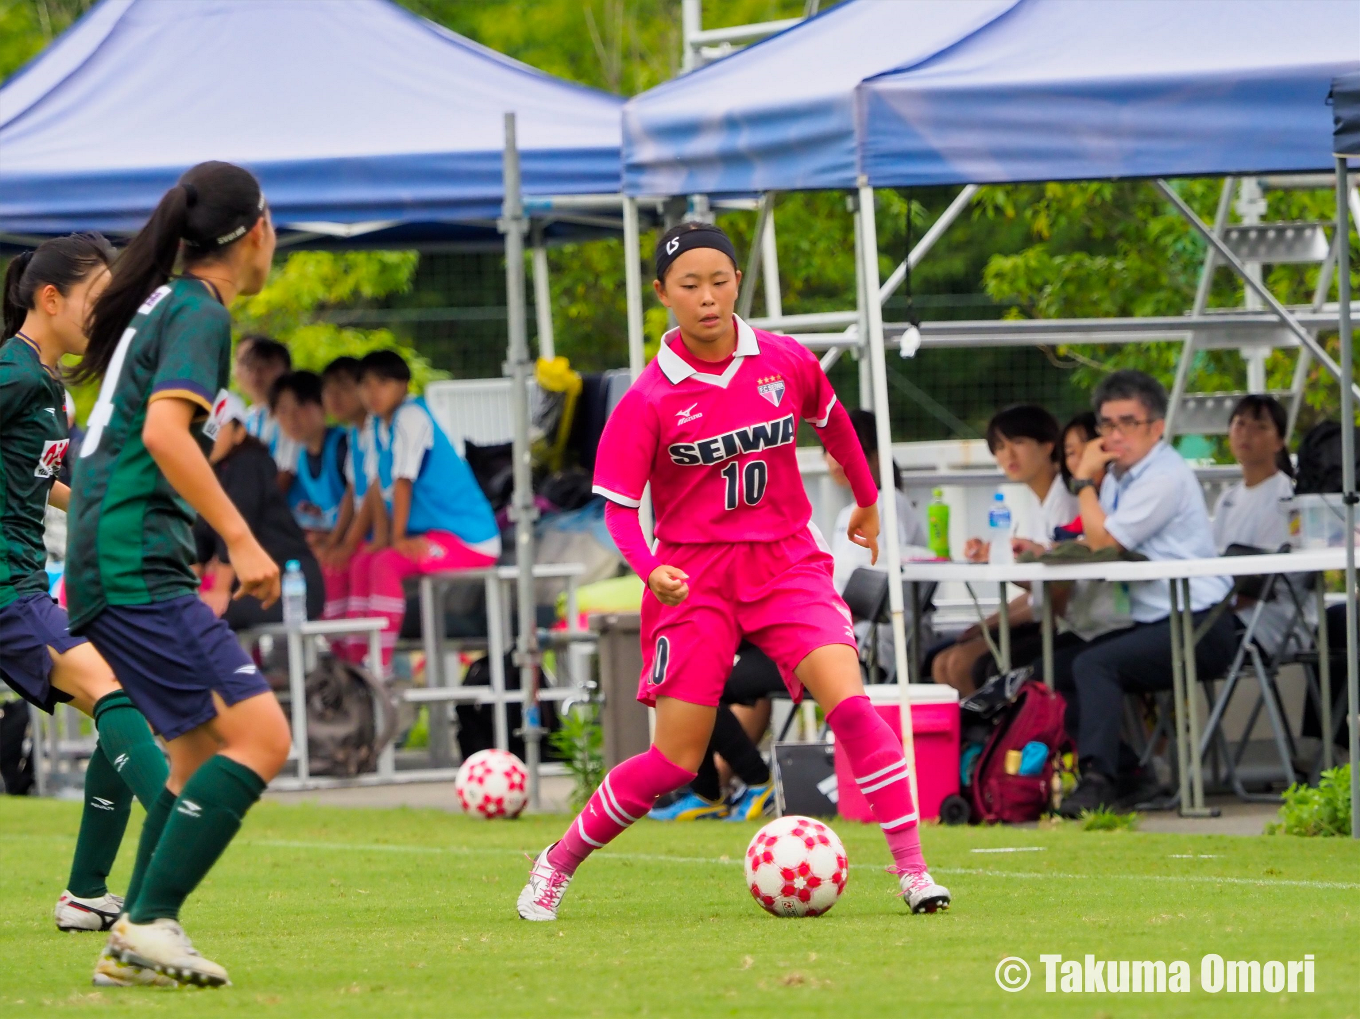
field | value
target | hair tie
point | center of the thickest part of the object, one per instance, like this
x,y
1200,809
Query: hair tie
x,y
190,195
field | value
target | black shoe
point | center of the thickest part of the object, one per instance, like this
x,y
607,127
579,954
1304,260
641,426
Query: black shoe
x,y
1096,792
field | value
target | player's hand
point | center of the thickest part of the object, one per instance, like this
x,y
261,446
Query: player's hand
x,y
668,584
414,549
216,599
863,529
1019,546
257,574
975,550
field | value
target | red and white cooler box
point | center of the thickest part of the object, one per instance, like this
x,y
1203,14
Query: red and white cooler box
x,y
935,732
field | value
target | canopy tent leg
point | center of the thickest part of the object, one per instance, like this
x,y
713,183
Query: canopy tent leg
x,y
1305,336
866,378
888,544
523,511
1343,273
1206,279
632,278
774,300
547,350
756,262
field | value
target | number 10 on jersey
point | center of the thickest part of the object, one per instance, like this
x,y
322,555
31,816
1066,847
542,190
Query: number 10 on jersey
x,y
745,481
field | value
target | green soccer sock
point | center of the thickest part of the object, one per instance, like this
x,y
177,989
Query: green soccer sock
x,y
127,739
152,827
205,819
108,802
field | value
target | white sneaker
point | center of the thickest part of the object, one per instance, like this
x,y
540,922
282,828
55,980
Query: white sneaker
x,y
76,914
922,894
110,971
543,894
162,945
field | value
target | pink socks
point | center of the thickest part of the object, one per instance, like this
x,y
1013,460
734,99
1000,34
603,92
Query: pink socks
x,y
625,796
880,770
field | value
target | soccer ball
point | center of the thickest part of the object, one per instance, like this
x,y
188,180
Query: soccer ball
x,y
796,866
492,783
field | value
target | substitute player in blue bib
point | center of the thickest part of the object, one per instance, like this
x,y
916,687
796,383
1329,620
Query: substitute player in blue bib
x,y
318,491
162,350
46,297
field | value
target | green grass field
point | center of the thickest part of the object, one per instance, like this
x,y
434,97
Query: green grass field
x,y
343,912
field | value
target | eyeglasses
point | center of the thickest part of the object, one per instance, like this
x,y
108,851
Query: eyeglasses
x,y
1123,425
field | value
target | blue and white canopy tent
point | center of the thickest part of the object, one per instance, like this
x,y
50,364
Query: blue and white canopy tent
x,y
360,119
366,125
1032,90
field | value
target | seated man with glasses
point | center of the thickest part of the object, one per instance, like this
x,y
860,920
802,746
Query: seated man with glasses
x,y
1150,502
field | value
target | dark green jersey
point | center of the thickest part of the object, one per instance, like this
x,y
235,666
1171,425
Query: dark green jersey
x,y
130,535
32,443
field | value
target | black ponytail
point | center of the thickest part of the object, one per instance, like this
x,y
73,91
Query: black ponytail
x,y
213,206
61,262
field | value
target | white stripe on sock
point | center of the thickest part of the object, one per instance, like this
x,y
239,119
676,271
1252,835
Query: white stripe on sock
x,y
614,802
899,777
900,763
609,809
581,830
904,819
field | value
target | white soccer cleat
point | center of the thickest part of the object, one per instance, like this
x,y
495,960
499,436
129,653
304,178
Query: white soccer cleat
x,y
543,894
110,971
73,913
922,894
162,946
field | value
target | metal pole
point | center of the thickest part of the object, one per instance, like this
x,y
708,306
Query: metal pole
x,y
888,543
866,380
755,262
691,24
1343,297
1206,279
1305,361
774,302
542,298
524,512
1308,340
632,284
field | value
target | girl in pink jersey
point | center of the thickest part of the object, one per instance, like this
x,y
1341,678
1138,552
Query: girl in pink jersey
x,y
712,425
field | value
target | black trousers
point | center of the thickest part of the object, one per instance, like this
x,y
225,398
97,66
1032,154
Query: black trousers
x,y
246,612
1136,660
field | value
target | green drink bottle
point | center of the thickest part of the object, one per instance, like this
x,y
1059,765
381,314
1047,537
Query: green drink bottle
x,y
937,525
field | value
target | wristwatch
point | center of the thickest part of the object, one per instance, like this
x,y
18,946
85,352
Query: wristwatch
x,y
1079,483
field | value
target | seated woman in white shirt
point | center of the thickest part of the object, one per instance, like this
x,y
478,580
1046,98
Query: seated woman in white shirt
x,y
1253,512
848,557
1024,440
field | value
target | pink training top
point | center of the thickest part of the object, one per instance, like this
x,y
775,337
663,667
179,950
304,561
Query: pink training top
x,y
719,450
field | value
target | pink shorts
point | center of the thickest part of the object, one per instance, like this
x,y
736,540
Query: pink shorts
x,y
778,595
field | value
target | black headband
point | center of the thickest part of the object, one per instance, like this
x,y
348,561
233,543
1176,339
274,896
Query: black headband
x,y
697,235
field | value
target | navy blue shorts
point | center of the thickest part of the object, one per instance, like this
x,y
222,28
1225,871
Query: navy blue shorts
x,y
170,657
28,627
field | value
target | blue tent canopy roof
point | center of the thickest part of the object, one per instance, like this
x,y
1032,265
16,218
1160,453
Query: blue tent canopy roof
x,y
779,115
1346,115
353,113
1067,89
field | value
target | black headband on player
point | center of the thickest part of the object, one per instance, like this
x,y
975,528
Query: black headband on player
x,y
687,236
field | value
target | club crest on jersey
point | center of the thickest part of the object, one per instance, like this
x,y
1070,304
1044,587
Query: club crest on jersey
x,y
49,461
771,387
752,439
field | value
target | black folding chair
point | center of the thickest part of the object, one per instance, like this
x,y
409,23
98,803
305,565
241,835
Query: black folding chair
x,y
866,595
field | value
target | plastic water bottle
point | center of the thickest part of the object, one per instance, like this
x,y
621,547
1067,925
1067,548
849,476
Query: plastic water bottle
x,y
294,595
937,525
999,533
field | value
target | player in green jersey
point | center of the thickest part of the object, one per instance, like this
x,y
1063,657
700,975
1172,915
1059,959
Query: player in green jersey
x,y
160,346
47,293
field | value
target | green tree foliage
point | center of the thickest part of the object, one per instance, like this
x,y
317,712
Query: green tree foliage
x,y
26,26
307,285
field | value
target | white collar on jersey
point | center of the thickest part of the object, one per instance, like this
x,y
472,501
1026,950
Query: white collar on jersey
x,y
677,369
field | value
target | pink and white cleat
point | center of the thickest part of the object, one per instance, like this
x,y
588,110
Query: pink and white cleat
x,y
921,893
543,894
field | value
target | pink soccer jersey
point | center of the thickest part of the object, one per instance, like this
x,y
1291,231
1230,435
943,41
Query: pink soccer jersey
x,y
719,450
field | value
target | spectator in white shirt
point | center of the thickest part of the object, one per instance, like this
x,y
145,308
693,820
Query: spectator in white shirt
x,y
1253,511
1024,440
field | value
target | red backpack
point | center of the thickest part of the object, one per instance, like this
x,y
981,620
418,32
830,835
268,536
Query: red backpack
x,y
1034,715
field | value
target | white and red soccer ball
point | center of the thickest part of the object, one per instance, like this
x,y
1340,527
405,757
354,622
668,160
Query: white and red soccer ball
x,y
796,866
492,783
